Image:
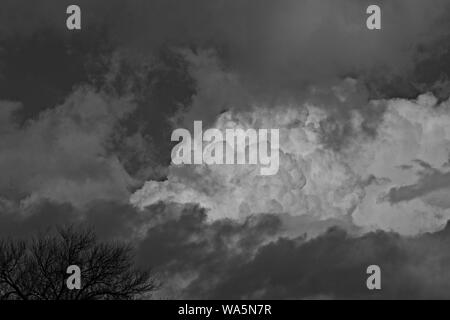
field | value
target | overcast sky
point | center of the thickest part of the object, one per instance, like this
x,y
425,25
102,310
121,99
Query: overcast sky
x,y
364,117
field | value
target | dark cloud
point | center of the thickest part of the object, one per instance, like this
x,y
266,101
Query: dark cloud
x,y
42,68
330,266
236,260
285,44
161,86
432,185
228,259
334,265
109,219
184,239
23,223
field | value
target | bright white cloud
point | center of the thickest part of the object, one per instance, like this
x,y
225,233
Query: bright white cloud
x,y
314,179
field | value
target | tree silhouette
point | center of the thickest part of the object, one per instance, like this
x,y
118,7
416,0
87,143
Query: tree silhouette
x,y
36,269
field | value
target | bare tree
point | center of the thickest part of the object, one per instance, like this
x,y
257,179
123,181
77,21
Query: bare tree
x,y
36,269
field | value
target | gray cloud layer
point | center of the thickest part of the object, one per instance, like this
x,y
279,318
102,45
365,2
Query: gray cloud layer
x,y
284,44
235,260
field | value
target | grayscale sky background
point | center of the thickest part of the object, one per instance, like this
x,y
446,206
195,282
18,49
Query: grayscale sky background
x,y
364,118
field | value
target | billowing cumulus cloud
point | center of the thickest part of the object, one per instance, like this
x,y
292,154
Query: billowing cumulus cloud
x,y
320,175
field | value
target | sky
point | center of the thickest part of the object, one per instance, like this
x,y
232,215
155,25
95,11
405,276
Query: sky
x,y
86,118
